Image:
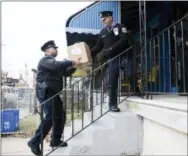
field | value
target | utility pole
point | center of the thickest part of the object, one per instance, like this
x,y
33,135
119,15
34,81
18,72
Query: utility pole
x,y
26,75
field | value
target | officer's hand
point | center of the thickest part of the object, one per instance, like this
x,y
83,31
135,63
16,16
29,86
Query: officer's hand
x,y
103,54
70,71
186,43
106,51
100,57
77,62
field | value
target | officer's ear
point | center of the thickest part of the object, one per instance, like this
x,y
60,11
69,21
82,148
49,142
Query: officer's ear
x,y
46,52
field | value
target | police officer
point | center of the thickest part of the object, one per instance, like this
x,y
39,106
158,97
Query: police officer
x,y
111,42
49,82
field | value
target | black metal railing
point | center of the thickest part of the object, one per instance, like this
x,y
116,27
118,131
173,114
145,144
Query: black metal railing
x,y
167,57
88,96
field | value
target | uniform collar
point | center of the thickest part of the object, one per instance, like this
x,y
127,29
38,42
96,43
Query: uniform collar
x,y
111,27
49,56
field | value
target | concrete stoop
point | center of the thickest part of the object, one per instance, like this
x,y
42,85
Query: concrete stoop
x,y
113,134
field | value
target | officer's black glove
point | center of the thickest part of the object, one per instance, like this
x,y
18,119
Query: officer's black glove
x,y
69,71
103,55
100,57
107,51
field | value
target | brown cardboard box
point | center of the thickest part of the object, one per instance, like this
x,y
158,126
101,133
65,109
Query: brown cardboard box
x,y
82,50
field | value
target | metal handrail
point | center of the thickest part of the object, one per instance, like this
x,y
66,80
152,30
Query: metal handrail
x,y
167,28
92,107
86,127
100,68
164,30
150,54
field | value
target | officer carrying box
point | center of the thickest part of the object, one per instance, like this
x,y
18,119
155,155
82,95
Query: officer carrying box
x,y
50,82
111,42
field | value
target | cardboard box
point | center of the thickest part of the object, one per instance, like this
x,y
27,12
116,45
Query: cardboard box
x,y
82,50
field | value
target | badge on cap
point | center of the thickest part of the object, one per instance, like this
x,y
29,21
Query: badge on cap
x,y
116,32
100,14
124,30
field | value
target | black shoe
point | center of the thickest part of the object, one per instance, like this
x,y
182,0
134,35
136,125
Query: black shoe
x,y
114,109
35,149
59,144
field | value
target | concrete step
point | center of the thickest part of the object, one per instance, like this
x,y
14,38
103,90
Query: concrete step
x,y
170,114
113,134
164,123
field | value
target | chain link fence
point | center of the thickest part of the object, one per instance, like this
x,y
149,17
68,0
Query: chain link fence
x,y
16,104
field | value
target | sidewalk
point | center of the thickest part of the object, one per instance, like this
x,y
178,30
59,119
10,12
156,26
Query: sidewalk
x,y
17,146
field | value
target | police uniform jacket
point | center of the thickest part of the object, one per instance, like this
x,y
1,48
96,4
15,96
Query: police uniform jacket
x,y
51,72
112,41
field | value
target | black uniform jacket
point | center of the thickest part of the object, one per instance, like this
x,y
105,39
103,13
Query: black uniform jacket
x,y
112,41
51,72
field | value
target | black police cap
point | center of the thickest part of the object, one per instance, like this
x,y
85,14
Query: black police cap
x,y
49,44
104,14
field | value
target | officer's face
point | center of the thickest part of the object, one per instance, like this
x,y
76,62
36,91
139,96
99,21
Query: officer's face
x,y
52,52
107,21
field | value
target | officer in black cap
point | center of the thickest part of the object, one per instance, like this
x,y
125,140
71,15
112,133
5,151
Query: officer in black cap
x,y
49,82
111,42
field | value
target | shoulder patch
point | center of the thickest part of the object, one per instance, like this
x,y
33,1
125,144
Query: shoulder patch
x,y
124,30
116,31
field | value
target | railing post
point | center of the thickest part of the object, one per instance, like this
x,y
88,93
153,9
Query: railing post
x,y
91,96
176,61
143,45
119,82
72,109
95,88
103,84
41,130
164,70
155,65
169,47
159,63
134,71
78,99
151,71
101,90
183,57
83,104
53,121
64,116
